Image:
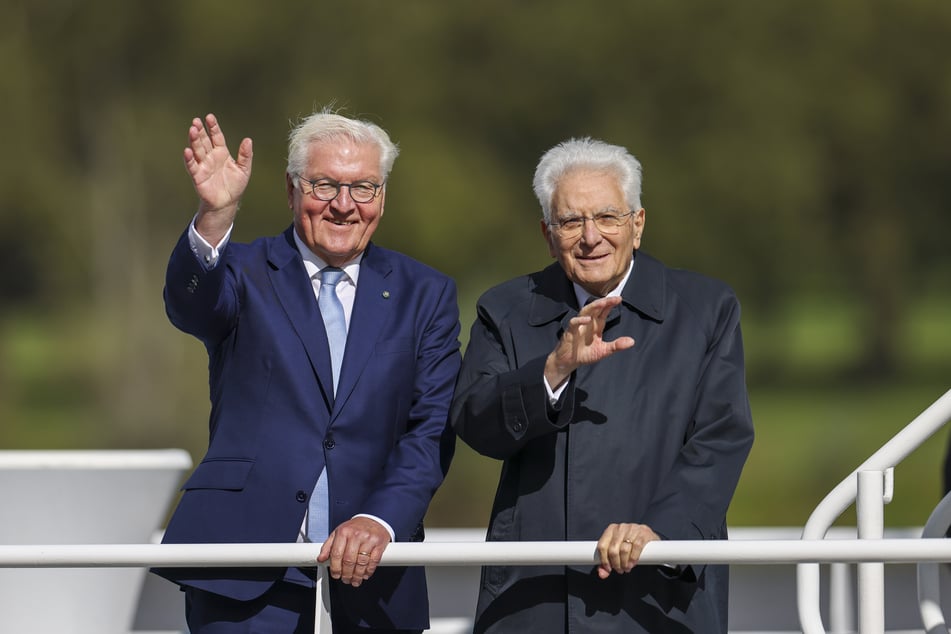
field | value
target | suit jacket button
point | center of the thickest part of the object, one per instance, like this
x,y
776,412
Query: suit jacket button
x,y
329,443
301,496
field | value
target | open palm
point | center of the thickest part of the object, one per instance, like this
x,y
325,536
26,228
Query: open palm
x,y
219,179
582,343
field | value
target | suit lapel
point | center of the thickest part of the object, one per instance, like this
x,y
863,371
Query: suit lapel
x,y
371,311
296,295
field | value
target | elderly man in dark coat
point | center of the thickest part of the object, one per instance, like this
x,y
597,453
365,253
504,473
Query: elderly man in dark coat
x,y
613,389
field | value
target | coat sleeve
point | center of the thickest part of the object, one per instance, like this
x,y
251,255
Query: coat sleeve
x,y
500,405
199,301
692,500
420,458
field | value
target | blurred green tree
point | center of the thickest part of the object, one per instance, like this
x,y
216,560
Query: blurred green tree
x,y
795,149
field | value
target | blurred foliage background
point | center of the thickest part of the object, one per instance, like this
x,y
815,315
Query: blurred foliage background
x,y
798,150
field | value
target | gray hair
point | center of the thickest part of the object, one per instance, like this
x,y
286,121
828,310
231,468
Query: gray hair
x,y
586,153
327,125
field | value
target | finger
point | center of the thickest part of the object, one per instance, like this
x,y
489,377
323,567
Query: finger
x,y
190,163
374,560
348,564
363,560
601,306
579,321
608,537
198,139
245,155
324,553
360,568
621,343
337,555
215,134
630,553
603,310
614,557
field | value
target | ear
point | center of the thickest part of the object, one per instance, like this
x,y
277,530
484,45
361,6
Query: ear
x,y
549,239
639,220
289,181
382,200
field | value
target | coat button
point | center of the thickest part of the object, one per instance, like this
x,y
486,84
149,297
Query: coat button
x,y
301,496
329,443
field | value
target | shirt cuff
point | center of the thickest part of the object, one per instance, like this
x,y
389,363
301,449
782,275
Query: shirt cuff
x,y
389,529
207,254
554,395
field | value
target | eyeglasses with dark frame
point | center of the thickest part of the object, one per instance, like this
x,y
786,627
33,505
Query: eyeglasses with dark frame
x,y
327,189
608,222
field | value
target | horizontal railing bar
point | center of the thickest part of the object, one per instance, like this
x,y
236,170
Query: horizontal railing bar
x,y
478,553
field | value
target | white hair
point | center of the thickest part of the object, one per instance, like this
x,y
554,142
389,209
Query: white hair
x,y
586,153
326,125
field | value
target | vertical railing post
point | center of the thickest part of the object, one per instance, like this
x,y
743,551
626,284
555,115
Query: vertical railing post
x,y
841,599
929,574
870,511
322,624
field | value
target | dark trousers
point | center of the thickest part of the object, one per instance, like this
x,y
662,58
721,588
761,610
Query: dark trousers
x,y
286,608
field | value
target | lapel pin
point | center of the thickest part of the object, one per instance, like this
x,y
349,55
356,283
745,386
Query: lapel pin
x,y
386,294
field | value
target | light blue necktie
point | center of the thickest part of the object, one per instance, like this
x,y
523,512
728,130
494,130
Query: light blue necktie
x,y
335,323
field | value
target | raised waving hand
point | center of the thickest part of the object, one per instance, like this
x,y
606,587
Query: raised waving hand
x,y
218,178
582,342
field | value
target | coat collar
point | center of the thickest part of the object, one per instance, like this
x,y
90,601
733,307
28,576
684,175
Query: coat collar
x,y
553,295
646,289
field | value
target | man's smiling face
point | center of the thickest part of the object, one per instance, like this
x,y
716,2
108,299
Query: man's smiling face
x,y
337,230
597,262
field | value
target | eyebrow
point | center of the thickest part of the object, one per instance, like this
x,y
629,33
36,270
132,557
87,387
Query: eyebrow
x,y
604,210
364,179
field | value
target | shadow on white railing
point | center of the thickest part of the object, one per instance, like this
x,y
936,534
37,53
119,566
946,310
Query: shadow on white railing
x,y
869,487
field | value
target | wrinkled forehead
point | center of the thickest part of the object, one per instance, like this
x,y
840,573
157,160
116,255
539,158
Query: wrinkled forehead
x,y
345,156
587,190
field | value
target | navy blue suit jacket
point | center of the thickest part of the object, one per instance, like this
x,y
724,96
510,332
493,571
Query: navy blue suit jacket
x,y
275,423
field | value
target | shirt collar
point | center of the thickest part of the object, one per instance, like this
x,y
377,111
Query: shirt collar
x,y
584,296
314,265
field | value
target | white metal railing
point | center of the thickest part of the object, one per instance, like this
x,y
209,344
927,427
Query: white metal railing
x,y
929,591
759,551
869,486
478,553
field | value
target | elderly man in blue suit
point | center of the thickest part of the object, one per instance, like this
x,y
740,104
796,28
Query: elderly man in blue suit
x,y
332,363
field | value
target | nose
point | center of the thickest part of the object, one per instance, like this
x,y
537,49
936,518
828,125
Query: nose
x,y
590,234
343,202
